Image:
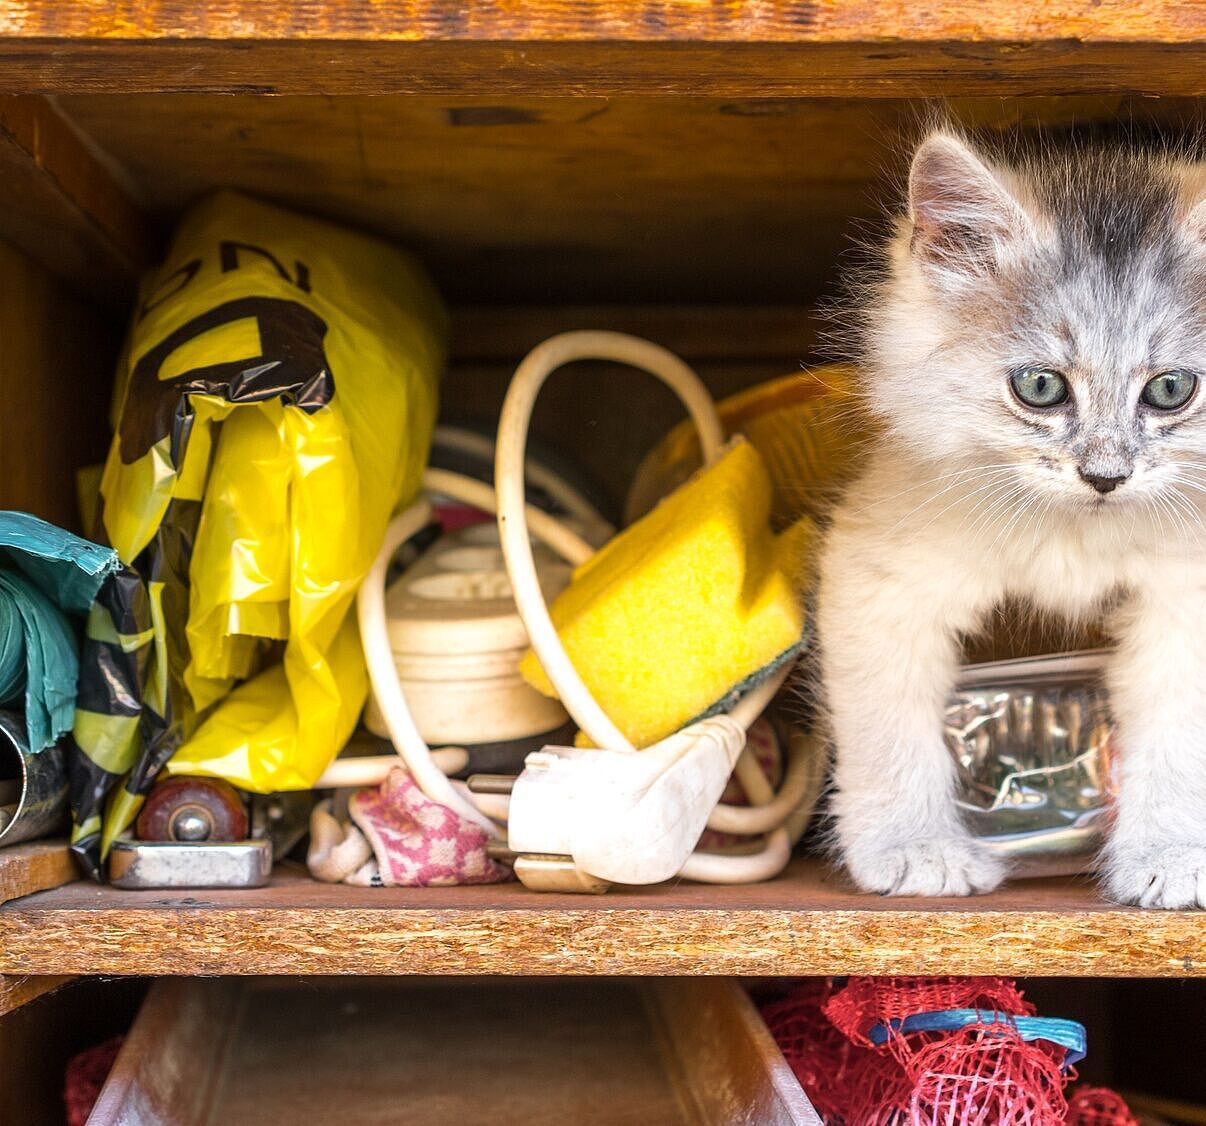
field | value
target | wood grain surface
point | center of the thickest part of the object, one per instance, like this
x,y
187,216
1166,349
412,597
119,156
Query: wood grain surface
x,y
731,21
574,200
542,1053
723,1057
872,67
63,207
556,201
169,1065
806,922
36,866
56,374
18,991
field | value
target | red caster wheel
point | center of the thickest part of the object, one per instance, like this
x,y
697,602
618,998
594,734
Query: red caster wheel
x,y
193,809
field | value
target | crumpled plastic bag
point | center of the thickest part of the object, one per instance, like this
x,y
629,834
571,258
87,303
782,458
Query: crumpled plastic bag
x,y
46,574
275,405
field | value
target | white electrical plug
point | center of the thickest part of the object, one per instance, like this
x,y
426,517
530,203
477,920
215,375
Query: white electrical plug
x,y
629,817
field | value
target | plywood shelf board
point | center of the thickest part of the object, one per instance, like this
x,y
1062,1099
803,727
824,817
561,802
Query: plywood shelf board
x,y
807,922
33,867
569,200
1032,60
625,21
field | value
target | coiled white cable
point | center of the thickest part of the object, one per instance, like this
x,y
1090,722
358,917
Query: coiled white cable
x,y
742,820
768,811
577,699
513,424
598,530
383,673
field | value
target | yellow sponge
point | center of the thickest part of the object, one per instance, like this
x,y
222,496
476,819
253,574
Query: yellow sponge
x,y
686,604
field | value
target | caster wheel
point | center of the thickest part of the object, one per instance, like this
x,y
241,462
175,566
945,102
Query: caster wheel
x,y
193,809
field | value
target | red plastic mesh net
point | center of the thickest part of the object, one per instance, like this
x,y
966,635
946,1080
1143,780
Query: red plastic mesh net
x,y
846,1082
876,1094
987,1075
1097,1106
85,1076
981,1075
867,1001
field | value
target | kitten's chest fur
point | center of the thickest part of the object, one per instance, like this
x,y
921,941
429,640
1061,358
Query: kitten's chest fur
x,y
1072,564
1075,567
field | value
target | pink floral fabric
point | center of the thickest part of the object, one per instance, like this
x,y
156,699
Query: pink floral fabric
x,y
418,842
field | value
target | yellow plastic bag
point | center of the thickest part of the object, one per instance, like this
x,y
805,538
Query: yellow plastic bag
x,y
277,397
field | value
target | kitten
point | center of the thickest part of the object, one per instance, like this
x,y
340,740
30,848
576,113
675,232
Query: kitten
x,y
1035,358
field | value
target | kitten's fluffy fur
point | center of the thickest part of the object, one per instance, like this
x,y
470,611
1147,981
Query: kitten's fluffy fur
x,y
1092,264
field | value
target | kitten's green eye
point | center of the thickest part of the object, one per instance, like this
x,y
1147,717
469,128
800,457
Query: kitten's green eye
x,y
1039,387
1170,390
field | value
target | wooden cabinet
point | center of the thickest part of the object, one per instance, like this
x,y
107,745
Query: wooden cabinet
x,y
696,173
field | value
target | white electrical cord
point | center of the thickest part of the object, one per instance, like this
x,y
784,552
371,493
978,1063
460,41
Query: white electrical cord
x,y
513,424
383,673
566,543
599,530
429,771
742,820
429,767
577,699
369,770
768,811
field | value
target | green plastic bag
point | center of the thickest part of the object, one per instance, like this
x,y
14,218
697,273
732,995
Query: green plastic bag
x,y
277,399
46,574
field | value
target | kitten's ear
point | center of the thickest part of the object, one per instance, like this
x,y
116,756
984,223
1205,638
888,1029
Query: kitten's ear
x,y
963,215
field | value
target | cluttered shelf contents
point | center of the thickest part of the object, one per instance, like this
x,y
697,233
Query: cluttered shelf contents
x,y
358,651
221,668
808,921
294,536
430,645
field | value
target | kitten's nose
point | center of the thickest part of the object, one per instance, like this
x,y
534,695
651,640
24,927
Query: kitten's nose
x,y
1100,483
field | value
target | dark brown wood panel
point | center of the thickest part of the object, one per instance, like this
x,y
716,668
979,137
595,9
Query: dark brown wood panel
x,y
18,991
808,921
730,334
872,67
38,1039
571,200
56,375
561,201
62,206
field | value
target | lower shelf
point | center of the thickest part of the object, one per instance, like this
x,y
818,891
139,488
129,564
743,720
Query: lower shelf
x,y
594,1053
809,921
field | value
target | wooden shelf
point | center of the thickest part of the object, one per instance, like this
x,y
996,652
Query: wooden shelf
x,y
807,922
741,49
36,866
61,205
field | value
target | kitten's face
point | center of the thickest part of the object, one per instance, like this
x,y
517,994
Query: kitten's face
x,y
1049,325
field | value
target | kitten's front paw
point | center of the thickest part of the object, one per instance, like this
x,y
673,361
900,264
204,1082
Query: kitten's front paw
x,y
1150,875
934,866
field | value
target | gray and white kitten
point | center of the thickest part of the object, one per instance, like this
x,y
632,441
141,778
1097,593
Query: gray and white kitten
x,y
1035,358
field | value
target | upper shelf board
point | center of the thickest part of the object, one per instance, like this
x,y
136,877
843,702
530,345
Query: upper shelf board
x,y
632,21
733,48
